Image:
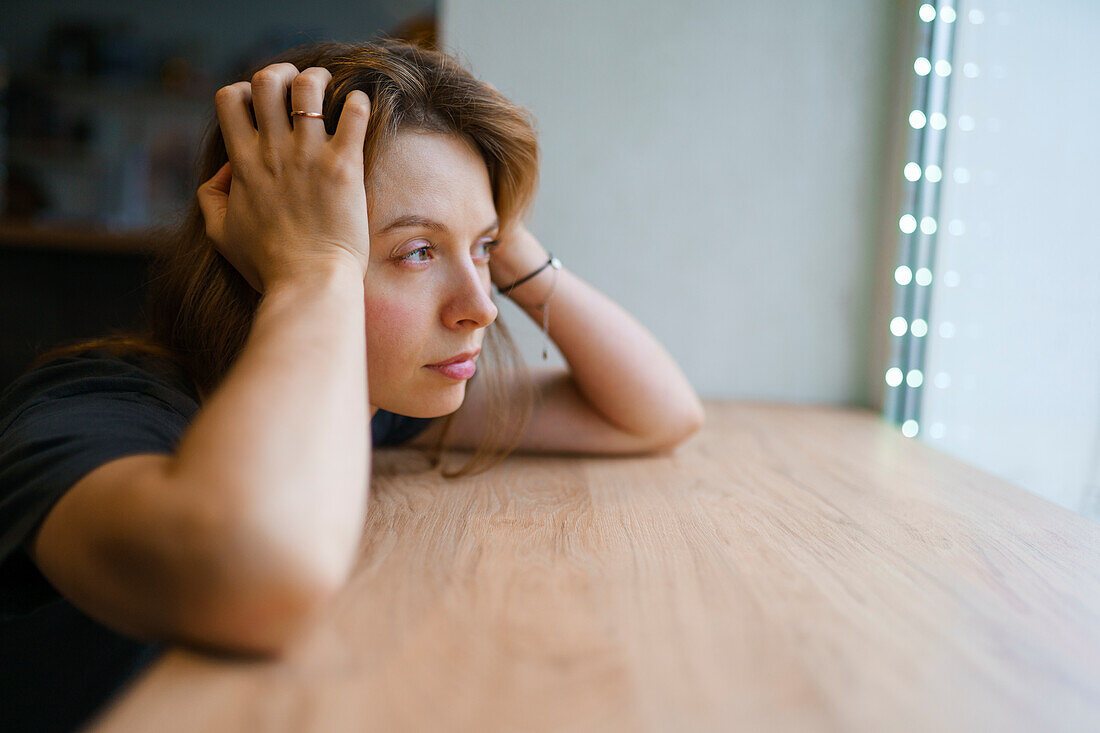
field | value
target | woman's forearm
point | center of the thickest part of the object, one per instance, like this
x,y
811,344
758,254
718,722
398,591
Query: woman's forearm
x,y
285,439
619,367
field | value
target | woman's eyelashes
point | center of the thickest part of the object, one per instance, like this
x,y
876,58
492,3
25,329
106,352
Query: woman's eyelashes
x,y
430,248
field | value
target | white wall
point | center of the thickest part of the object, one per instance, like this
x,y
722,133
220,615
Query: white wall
x,y
717,168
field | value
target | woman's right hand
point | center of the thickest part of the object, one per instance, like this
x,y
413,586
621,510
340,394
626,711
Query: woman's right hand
x,y
292,198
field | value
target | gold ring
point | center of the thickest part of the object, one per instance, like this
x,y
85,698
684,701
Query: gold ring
x,y
303,113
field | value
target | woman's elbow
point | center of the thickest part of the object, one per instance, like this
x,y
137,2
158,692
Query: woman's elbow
x,y
687,428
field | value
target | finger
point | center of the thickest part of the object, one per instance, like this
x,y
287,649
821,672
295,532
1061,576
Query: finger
x,y
213,199
269,94
221,180
307,93
351,130
232,104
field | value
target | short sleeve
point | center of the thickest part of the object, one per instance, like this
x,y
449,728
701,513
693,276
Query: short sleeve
x,y
68,417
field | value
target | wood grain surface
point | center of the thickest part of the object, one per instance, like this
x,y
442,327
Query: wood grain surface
x,y
790,568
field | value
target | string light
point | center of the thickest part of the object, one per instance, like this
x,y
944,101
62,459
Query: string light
x,y
918,223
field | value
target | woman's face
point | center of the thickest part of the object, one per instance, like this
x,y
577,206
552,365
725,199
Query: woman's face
x,y
424,306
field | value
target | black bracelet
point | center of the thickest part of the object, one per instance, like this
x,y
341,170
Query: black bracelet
x,y
536,272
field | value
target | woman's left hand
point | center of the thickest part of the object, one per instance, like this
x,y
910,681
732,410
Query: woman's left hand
x,y
518,254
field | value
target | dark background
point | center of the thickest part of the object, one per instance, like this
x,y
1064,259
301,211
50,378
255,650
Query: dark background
x,y
102,108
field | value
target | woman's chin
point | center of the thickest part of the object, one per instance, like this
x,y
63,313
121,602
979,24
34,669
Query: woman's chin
x,y
434,401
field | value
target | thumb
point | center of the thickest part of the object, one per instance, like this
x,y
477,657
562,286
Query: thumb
x,y
213,199
221,180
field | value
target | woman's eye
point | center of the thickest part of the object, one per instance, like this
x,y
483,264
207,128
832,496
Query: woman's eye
x,y
410,257
490,246
414,256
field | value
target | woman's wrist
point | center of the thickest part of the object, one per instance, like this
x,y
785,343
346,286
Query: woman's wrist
x,y
520,255
532,293
329,272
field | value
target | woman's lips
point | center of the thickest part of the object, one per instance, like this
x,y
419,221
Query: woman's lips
x,y
459,370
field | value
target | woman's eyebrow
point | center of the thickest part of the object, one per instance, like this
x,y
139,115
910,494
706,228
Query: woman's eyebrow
x,y
416,220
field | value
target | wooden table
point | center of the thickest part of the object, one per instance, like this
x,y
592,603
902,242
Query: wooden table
x,y
788,569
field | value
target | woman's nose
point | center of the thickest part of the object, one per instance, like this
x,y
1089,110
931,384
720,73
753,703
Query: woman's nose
x,y
469,299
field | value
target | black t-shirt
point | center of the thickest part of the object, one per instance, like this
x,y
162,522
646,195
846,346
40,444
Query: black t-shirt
x,y
58,666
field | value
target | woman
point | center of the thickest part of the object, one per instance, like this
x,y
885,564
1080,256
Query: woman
x,y
203,483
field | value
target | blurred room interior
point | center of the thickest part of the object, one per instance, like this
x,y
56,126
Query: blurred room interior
x,y
868,204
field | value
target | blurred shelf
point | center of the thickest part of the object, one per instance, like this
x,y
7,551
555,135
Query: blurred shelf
x,y
34,152
90,237
128,92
